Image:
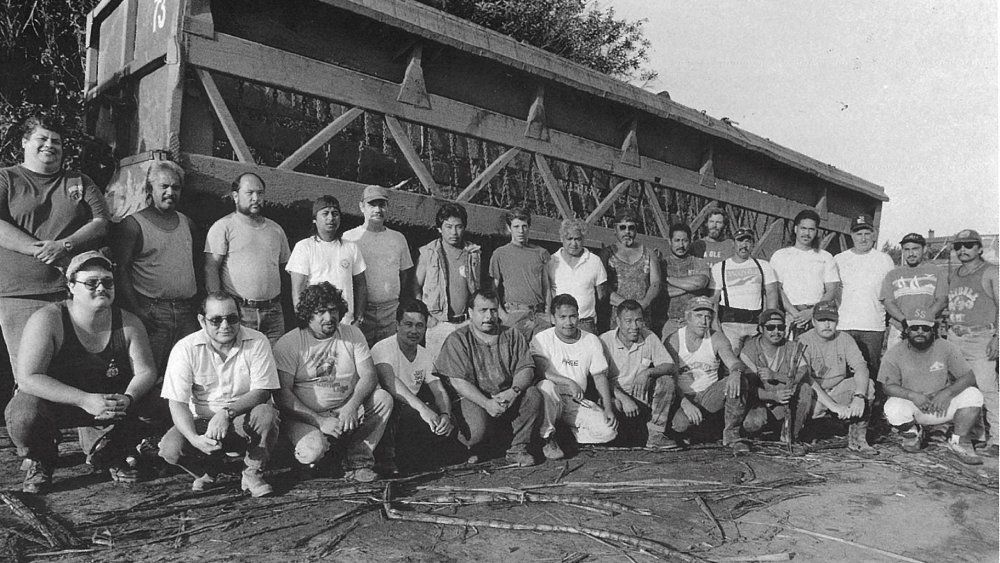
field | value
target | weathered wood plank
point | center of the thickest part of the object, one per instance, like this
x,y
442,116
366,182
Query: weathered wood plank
x,y
413,90
630,146
827,240
273,66
411,156
553,186
608,201
537,128
320,139
653,200
240,146
128,33
707,169
486,175
765,239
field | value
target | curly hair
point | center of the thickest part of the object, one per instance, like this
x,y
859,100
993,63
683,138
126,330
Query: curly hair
x,y
318,296
47,122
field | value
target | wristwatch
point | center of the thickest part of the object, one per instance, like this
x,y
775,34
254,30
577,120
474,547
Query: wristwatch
x,y
68,246
860,396
230,415
516,389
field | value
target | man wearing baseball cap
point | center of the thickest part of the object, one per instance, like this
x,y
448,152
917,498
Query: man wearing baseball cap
x,y
388,265
840,376
743,287
700,392
928,382
972,304
63,384
862,270
913,285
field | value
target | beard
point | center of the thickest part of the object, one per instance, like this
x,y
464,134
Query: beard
x,y
921,344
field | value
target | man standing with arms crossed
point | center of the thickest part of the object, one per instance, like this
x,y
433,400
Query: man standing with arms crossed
x,y
806,274
972,303
244,254
387,265
914,285
518,272
684,277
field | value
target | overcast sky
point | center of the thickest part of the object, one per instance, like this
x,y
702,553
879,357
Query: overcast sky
x,y
901,93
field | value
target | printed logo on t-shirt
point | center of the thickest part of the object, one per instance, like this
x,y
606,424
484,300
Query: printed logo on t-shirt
x,y
419,376
961,299
937,366
461,271
345,264
74,188
570,362
741,277
916,285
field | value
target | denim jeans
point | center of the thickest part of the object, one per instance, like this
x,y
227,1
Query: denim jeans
x,y
520,421
257,431
166,322
379,321
870,342
269,320
712,400
359,445
973,345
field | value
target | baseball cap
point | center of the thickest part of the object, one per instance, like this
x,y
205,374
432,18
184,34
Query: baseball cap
x,y
697,303
324,201
914,237
919,317
826,311
771,315
744,232
968,235
84,258
373,193
862,221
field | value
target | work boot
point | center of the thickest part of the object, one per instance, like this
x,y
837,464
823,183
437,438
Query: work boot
x,y
911,440
37,476
964,451
740,448
361,475
661,441
201,483
857,440
551,449
253,481
520,457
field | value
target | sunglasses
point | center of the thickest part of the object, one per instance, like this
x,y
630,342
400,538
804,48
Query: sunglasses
x,y
961,245
773,328
231,320
91,284
627,228
920,328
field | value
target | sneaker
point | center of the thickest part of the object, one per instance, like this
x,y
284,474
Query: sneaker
x,y
551,449
124,474
992,450
361,475
37,476
204,482
253,481
965,453
911,440
740,448
861,447
664,442
520,458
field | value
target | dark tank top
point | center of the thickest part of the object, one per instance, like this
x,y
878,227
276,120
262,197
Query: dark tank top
x,y
108,371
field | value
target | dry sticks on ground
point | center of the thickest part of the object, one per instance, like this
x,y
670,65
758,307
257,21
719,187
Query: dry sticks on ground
x,y
55,533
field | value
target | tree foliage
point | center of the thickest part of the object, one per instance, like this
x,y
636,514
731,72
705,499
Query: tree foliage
x,y
574,29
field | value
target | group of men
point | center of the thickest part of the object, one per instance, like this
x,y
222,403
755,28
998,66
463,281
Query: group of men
x,y
388,357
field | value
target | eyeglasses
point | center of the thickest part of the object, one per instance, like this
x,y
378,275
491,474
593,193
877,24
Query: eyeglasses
x,y
920,328
627,228
231,320
91,284
960,245
773,328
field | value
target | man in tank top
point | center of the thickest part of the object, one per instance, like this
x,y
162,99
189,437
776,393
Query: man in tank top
x,y
972,304
83,363
154,252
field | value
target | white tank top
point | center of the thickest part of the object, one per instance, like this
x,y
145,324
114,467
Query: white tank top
x,y
699,368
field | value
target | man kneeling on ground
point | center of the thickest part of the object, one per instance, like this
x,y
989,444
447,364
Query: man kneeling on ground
x,y
567,359
405,370
929,383
219,381
329,388
491,370
82,363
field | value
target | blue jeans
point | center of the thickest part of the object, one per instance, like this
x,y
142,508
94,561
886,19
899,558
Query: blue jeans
x,y
256,431
166,322
269,320
972,345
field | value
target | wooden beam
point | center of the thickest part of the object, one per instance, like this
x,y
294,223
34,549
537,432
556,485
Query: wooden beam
x,y
537,128
320,139
240,146
553,186
821,206
411,156
128,33
214,175
776,226
271,66
413,90
653,200
93,52
702,215
827,240
630,146
843,242
707,170
198,18
603,207
486,175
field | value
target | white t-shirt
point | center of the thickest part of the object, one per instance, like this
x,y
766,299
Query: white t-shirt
x,y
576,361
326,371
802,273
386,254
743,283
411,374
580,281
861,277
336,262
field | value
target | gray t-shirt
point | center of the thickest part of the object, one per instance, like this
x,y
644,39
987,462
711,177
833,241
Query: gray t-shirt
x,y
520,270
386,254
253,254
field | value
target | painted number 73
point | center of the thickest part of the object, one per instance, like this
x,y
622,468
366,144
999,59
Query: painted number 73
x,y
159,14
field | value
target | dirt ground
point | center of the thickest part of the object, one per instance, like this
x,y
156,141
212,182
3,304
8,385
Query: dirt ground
x,y
827,505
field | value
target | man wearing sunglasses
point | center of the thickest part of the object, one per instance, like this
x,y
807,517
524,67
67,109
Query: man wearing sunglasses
x,y
778,383
633,270
82,363
928,382
218,383
972,304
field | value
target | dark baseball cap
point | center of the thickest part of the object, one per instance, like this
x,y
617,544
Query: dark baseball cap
x,y
826,311
862,221
744,232
914,237
697,303
770,315
968,235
